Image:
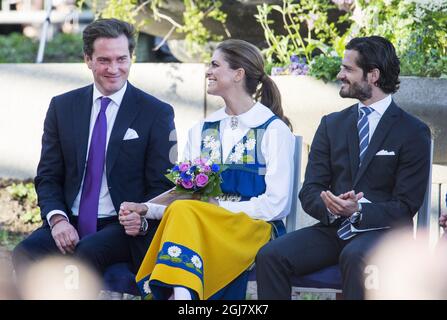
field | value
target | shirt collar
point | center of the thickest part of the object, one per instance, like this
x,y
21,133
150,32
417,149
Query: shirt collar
x,y
117,97
379,106
254,117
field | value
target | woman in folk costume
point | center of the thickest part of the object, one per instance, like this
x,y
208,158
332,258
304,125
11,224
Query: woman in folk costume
x,y
202,249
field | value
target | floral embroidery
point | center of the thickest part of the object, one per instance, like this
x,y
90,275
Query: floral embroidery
x,y
176,255
146,287
196,261
210,142
250,144
174,251
246,146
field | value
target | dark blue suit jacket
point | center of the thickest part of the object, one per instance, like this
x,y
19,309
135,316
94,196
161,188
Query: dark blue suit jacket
x,y
395,184
135,168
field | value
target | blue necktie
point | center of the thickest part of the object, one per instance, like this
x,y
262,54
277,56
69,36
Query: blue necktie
x,y
363,128
344,231
88,206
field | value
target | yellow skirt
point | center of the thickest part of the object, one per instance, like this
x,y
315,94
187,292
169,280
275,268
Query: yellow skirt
x,y
202,247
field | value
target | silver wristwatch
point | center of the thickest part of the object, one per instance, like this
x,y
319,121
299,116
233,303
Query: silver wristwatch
x,y
356,216
144,225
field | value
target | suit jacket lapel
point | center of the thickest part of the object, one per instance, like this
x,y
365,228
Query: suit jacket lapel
x,y
353,141
82,110
385,124
127,112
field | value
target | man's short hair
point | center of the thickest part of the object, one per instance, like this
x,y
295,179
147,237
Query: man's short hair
x,y
378,52
107,28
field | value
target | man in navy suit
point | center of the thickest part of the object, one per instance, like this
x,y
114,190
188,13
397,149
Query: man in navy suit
x,y
102,145
367,174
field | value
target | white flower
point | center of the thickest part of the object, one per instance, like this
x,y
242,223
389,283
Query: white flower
x,y
207,141
250,144
196,261
214,145
215,155
235,157
240,148
174,251
146,287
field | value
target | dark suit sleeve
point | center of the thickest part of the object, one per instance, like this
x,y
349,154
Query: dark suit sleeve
x,y
161,152
49,180
318,175
411,182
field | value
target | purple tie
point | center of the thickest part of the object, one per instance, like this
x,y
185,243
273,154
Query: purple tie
x,y
88,207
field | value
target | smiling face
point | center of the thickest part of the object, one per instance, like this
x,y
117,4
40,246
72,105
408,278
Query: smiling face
x,y
110,63
221,78
354,83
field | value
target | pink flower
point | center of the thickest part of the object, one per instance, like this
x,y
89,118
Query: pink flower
x,y
201,180
206,168
200,161
187,184
184,167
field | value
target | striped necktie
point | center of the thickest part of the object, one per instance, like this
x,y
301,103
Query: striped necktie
x,y
363,128
344,231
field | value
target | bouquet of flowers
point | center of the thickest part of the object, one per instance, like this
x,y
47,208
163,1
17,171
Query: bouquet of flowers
x,y
200,178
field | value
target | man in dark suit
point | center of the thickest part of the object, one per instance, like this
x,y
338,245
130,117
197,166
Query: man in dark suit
x,y
102,144
367,174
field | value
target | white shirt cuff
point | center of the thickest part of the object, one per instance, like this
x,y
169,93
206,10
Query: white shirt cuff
x,y
154,211
54,212
332,217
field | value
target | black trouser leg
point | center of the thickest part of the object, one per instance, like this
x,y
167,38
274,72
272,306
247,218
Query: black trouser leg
x,y
300,252
353,261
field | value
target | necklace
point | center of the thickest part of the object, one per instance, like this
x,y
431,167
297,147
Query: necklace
x,y
234,122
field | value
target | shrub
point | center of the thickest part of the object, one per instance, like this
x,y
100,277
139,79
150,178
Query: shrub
x,y
417,28
26,195
17,48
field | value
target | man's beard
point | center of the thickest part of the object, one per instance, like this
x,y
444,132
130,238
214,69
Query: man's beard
x,y
360,91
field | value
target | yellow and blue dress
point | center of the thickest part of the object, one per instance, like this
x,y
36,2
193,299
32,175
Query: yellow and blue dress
x,y
206,248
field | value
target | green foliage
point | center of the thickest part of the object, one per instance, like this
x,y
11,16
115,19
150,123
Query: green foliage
x,y
325,67
195,15
10,239
26,195
17,48
64,48
196,34
309,16
418,30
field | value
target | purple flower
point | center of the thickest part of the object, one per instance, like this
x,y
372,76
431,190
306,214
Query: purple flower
x,y
187,184
215,168
206,168
184,167
294,58
201,180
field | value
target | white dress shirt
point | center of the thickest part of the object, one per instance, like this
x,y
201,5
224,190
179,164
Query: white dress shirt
x,y
277,147
373,120
375,116
105,208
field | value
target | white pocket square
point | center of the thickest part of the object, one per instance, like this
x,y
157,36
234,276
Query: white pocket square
x,y
385,153
130,134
